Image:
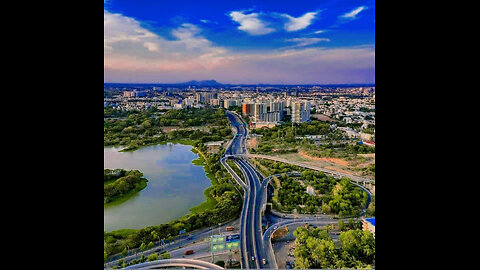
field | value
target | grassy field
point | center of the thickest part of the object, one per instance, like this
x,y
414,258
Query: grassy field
x,y
211,202
359,165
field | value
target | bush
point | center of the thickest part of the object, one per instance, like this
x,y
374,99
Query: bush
x,y
152,257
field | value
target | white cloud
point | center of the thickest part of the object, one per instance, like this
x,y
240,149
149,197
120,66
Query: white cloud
x,y
301,42
133,53
319,31
250,23
128,45
353,14
302,22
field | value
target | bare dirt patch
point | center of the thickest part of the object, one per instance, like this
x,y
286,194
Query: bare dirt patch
x,y
337,161
280,233
252,143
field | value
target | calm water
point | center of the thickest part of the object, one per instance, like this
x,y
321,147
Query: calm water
x,y
175,185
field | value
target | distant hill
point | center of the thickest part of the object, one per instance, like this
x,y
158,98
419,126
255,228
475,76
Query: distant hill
x,y
202,83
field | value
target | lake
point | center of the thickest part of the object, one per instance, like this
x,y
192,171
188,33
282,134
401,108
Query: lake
x,y
174,186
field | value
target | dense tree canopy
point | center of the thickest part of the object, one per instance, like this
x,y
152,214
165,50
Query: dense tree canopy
x,y
316,249
140,128
124,182
332,196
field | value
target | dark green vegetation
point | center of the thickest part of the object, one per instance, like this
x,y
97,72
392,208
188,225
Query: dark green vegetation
x,y
152,257
281,140
120,183
235,169
224,203
141,128
333,196
370,212
316,249
350,225
110,112
269,167
369,170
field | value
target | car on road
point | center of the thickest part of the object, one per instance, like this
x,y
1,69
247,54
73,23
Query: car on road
x,y
253,258
188,252
264,261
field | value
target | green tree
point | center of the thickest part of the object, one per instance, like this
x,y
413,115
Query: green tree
x,y
165,256
152,257
341,225
125,252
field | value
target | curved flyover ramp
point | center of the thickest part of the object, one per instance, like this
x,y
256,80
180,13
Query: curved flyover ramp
x,y
175,263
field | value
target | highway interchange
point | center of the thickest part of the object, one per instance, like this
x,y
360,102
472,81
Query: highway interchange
x,y
255,245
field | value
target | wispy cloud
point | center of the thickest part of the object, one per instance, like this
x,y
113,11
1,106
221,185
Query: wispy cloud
x,y
319,32
353,14
250,23
302,22
129,46
301,42
133,53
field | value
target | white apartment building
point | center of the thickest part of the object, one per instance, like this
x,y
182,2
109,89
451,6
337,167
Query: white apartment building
x,y
300,111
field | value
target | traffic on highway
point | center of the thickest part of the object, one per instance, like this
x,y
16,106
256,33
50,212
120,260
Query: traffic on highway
x,y
256,226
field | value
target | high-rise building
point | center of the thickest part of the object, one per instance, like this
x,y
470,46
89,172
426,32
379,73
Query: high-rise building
x,y
134,93
227,103
205,97
248,109
199,98
259,112
300,111
214,102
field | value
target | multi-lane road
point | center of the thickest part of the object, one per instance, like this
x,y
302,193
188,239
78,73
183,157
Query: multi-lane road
x,y
255,246
252,246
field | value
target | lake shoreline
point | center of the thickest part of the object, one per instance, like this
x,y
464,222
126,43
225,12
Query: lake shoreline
x,y
207,202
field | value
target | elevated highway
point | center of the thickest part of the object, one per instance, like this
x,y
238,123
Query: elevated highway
x,y
197,264
256,247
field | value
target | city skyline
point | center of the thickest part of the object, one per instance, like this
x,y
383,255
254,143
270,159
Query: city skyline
x,y
273,42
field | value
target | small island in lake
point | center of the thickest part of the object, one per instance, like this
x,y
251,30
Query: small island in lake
x,y
119,183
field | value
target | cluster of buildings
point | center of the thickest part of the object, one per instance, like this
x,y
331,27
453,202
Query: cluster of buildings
x,y
134,93
265,112
350,110
262,109
264,106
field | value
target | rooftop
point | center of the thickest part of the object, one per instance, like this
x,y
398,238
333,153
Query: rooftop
x,y
371,221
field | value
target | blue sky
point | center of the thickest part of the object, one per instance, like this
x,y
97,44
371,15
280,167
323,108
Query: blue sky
x,y
279,41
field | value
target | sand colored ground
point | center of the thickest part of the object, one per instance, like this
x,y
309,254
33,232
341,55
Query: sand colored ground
x,y
334,164
252,143
337,161
280,233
